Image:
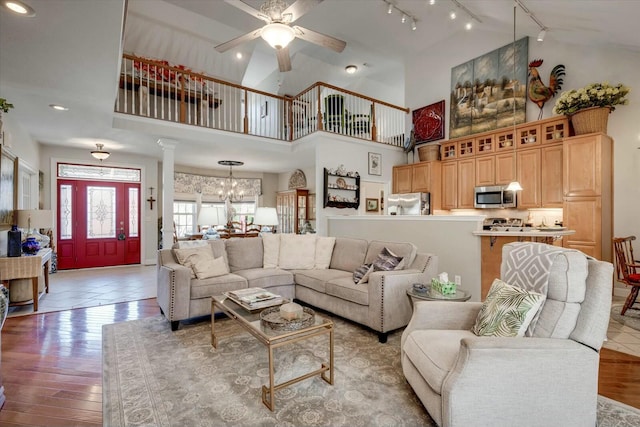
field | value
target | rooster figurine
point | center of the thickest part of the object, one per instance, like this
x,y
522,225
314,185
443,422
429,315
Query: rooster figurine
x,y
538,92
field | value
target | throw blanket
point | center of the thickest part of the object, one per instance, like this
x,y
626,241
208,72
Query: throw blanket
x,y
528,266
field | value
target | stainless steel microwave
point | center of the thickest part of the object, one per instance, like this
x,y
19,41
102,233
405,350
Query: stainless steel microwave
x,y
495,197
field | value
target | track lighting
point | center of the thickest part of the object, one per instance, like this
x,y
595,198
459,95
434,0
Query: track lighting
x,y
390,9
413,24
468,26
404,18
541,35
432,2
452,15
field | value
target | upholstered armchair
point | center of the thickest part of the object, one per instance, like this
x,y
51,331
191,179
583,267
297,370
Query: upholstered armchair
x,y
547,379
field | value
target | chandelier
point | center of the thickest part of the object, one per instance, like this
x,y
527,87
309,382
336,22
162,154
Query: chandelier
x,y
230,190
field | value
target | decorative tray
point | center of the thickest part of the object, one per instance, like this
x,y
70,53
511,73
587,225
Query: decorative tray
x,y
272,319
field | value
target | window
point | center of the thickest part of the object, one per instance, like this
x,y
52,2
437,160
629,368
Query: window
x,y
184,217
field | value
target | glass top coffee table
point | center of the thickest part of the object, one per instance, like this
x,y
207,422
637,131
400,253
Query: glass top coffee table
x,y
429,295
273,339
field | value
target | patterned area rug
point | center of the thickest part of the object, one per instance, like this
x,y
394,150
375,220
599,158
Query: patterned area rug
x,y
631,318
152,377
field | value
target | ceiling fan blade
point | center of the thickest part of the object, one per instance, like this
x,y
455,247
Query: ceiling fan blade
x,y
299,8
320,39
284,61
238,40
248,9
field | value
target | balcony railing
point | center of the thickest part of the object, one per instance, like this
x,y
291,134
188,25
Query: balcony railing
x,y
158,90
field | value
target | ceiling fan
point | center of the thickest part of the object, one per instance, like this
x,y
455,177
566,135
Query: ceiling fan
x,y
278,32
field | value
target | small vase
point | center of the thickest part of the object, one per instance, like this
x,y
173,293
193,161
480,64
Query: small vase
x,y
30,246
14,239
590,120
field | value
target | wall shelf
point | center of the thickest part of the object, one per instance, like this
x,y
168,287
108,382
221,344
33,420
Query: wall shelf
x,y
341,191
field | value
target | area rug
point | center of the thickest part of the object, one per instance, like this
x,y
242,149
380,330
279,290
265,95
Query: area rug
x,y
152,377
631,317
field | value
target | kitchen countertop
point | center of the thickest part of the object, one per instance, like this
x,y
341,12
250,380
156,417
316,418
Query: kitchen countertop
x,y
529,233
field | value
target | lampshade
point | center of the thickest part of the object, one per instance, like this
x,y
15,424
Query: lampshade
x,y
266,216
35,218
99,153
277,35
211,215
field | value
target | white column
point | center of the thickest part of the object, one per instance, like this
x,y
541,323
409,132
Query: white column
x,y
168,154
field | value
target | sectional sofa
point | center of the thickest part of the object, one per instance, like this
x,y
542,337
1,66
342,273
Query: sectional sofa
x,y
314,270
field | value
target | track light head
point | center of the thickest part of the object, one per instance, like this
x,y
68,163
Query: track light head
x,y
452,15
541,35
404,18
390,9
413,24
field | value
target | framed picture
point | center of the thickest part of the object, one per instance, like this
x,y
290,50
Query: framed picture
x,y
428,122
372,205
375,164
7,187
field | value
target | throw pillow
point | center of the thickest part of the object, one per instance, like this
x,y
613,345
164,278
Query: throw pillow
x,y
361,274
206,267
324,250
271,245
297,252
188,256
386,261
507,311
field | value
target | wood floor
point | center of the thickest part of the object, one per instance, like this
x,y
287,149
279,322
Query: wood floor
x,y
52,365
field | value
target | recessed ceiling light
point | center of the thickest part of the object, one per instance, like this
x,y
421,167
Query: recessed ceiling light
x,y
58,107
19,7
239,55
351,69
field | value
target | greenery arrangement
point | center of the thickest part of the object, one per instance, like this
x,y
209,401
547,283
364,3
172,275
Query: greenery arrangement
x,y
592,95
4,105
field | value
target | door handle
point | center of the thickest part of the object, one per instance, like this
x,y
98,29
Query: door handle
x,y
121,235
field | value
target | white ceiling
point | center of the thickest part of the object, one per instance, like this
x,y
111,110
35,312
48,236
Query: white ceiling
x,y
69,54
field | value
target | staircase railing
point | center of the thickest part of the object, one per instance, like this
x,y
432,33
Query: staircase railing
x,y
159,90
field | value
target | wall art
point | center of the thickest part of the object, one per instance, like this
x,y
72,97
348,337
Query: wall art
x,y
428,122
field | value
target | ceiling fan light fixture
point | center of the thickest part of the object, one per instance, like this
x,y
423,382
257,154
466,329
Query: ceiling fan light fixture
x,y
350,69
277,35
100,154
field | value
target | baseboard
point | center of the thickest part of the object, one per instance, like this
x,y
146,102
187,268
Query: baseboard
x,y
151,261
621,292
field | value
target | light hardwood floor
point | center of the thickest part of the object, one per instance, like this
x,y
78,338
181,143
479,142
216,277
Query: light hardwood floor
x,y
52,365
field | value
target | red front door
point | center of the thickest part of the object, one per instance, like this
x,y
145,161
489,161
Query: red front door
x,y
98,223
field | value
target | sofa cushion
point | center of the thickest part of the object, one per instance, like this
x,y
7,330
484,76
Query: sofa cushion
x,y
266,277
387,261
317,279
324,250
507,311
209,267
297,251
345,289
271,249
189,256
434,352
244,253
185,244
407,251
361,274
204,288
348,254
217,246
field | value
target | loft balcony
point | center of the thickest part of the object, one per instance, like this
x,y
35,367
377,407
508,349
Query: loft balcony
x,y
159,90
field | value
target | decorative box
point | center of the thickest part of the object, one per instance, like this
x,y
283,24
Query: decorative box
x,y
444,288
291,311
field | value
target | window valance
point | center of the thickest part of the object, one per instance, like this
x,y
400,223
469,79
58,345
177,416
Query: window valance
x,y
211,185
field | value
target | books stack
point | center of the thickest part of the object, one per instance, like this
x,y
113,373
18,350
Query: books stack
x,y
255,298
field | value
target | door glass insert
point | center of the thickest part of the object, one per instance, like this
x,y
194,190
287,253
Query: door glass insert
x,y
133,212
101,215
66,215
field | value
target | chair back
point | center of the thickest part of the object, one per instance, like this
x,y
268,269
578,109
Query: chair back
x,y
624,259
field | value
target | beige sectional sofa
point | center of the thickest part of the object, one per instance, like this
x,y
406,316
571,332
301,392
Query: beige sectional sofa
x,y
314,270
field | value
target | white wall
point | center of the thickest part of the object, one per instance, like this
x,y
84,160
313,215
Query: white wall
x,y
584,64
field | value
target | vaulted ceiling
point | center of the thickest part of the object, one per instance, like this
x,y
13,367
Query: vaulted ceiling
x,y
69,53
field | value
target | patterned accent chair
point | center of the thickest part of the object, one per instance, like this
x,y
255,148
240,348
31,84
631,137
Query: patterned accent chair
x,y
548,378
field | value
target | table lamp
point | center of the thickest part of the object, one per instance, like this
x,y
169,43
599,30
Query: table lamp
x,y
267,217
211,216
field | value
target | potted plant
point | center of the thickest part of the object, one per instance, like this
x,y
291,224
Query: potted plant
x,y
590,106
5,106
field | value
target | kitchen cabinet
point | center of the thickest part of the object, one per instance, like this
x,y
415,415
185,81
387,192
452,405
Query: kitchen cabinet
x,y
505,168
551,176
588,193
485,171
341,191
427,178
528,174
402,176
466,183
495,170
449,185
291,207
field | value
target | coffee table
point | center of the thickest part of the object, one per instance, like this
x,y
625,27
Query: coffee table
x,y
435,296
273,339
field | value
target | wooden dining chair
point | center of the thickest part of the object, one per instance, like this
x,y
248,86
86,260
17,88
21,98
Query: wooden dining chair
x,y
627,269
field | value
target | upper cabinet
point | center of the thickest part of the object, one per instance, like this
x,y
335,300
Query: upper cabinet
x,y
402,176
422,177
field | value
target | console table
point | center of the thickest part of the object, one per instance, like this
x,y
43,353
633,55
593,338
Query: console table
x,y
27,267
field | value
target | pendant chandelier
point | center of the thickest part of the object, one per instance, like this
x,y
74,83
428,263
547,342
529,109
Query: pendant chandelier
x,y
230,191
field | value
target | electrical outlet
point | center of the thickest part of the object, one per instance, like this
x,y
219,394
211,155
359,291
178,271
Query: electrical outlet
x,y
457,280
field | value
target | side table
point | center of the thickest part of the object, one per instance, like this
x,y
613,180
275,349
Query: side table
x,y
27,267
428,295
